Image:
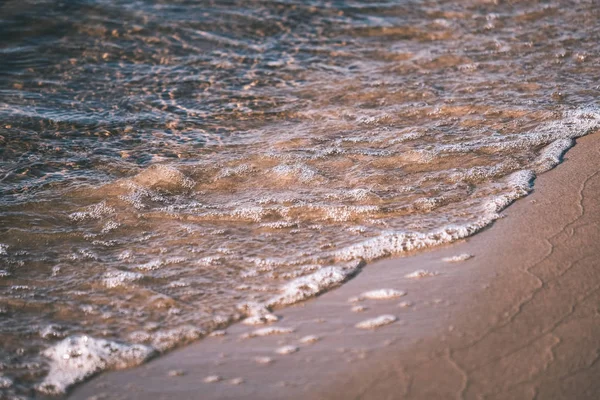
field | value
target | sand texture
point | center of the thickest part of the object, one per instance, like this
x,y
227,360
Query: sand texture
x,y
519,319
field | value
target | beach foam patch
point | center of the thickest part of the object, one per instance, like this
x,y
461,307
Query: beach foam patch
x,y
458,258
272,330
287,349
79,357
258,314
377,322
421,273
381,294
314,284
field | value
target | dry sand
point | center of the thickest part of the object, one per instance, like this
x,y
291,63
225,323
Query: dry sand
x,y
519,320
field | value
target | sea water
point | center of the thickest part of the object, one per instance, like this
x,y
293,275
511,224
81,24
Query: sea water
x,y
170,167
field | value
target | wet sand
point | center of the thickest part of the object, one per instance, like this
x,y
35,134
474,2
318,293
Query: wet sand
x,y
519,320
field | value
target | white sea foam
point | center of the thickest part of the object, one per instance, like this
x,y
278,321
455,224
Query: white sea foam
x,y
213,379
52,331
236,381
166,339
5,382
113,279
552,154
79,357
163,177
301,172
377,322
258,314
388,243
287,349
310,339
458,258
381,294
313,284
271,330
95,211
263,360
421,273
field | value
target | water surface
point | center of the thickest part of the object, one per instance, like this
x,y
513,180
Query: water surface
x,y
163,162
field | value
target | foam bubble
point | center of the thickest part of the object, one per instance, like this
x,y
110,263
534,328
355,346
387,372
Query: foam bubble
x,y
313,284
258,314
310,339
95,211
110,226
458,258
382,294
552,154
240,170
263,360
272,330
167,339
260,319
421,273
301,172
113,279
377,322
52,331
279,225
150,265
163,177
5,382
388,243
78,357
287,349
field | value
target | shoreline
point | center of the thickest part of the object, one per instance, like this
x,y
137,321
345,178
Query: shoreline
x,y
480,326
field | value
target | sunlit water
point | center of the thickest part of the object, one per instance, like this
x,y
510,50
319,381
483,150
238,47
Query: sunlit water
x,y
163,163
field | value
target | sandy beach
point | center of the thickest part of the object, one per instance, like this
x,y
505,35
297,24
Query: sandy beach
x,y
517,320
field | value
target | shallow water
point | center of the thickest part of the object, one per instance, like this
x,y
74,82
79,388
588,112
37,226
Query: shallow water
x,y
163,163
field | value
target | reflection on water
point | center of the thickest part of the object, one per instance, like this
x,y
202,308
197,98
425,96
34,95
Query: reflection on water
x,y
163,162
